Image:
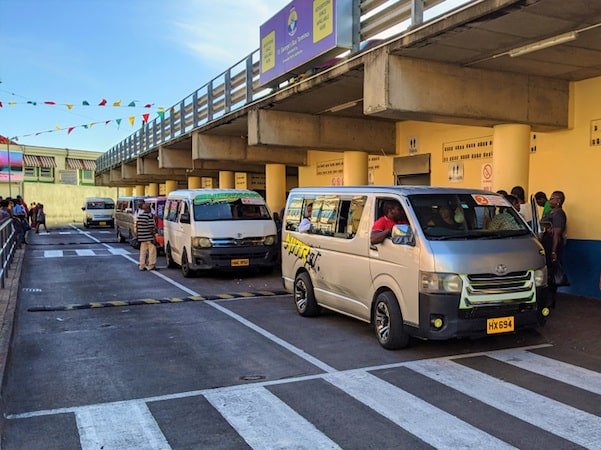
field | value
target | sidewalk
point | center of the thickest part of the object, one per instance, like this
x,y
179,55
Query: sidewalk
x,y
8,303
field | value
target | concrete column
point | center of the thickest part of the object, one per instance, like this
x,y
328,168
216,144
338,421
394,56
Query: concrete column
x,y
275,186
153,189
127,191
355,168
194,183
139,191
511,157
226,180
170,185
162,189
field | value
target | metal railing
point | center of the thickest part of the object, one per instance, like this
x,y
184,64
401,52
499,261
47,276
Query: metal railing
x,y
8,245
239,86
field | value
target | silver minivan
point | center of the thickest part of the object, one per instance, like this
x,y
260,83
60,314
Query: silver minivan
x,y
460,262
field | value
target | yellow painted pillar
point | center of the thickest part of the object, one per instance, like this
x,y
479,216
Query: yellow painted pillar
x,y
170,185
226,180
126,191
162,189
355,168
139,191
153,189
275,186
194,183
511,157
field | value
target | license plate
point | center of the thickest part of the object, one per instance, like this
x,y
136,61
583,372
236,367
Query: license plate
x,y
101,223
499,325
239,262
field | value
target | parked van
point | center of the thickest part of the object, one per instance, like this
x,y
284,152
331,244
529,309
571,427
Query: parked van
x,y
461,263
98,211
218,229
125,219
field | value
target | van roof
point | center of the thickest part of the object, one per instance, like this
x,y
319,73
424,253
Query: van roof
x,y
191,193
99,199
402,190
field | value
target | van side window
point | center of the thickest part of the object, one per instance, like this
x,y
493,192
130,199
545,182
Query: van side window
x,y
171,210
184,209
293,215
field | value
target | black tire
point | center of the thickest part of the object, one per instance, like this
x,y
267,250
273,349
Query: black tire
x,y
133,242
304,296
85,225
388,322
120,237
185,266
170,263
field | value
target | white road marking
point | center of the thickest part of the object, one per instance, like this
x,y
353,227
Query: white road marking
x,y
65,232
53,253
85,252
429,423
264,421
560,419
580,377
118,251
119,426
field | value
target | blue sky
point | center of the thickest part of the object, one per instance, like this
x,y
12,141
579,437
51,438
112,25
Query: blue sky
x,y
152,51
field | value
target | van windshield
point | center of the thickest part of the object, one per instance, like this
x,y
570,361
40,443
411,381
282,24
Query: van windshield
x,y
100,205
467,216
233,208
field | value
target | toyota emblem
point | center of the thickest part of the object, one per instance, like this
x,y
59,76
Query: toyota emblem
x,y
501,269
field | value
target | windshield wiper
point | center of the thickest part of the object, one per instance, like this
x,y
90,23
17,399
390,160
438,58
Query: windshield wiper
x,y
449,237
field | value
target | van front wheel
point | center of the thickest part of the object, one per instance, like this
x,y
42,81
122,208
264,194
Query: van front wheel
x,y
170,263
185,266
388,322
304,297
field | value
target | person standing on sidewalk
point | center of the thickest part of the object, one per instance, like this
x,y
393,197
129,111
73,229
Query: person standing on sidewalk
x,y
145,231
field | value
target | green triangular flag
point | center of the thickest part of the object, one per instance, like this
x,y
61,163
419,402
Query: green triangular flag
x,y
85,126
132,104
85,103
118,122
161,114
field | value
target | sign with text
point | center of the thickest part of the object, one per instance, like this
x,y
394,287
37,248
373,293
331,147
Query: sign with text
x,y
11,166
302,35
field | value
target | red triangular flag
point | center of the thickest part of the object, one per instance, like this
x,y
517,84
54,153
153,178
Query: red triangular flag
x,y
145,117
1,105
70,129
102,102
49,103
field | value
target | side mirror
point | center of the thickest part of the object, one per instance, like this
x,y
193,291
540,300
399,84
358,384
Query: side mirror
x,y
403,235
184,218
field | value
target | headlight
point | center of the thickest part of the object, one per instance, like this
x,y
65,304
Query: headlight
x,y
269,240
441,283
201,242
540,277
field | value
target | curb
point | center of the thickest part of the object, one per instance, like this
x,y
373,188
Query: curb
x,y
155,301
8,306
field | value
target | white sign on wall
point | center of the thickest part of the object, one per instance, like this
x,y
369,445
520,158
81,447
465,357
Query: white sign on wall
x,y
486,177
456,171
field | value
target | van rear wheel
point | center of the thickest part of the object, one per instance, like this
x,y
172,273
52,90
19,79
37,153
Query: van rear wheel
x,y
304,296
388,322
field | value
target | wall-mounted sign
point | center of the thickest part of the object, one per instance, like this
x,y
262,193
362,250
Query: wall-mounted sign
x,y
302,35
67,177
486,177
474,148
456,172
11,166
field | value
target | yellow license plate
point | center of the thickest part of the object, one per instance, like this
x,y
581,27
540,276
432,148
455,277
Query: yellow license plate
x,y
101,223
499,325
239,262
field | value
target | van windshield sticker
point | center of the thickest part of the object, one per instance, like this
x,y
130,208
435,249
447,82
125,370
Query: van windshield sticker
x,y
490,200
248,198
302,251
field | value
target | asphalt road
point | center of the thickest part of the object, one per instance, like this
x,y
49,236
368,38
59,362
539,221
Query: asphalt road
x,y
221,372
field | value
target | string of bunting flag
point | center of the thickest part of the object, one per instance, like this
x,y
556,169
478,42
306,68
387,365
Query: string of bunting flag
x,y
130,119
103,102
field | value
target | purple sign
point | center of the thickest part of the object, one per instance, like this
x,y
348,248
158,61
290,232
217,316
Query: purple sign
x,y
303,34
11,166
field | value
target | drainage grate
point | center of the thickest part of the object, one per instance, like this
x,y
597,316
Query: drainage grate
x,y
252,377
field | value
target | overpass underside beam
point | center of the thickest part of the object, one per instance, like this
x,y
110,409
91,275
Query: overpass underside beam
x,y
228,148
286,129
402,88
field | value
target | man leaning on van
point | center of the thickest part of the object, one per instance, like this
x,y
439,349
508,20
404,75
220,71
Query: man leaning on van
x,y
145,234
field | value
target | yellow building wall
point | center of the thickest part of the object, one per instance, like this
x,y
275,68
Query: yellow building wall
x,y
62,203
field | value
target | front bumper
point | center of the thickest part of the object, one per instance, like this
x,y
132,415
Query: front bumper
x,y
258,256
472,322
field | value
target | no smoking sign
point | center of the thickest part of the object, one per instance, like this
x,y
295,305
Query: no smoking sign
x,y
486,177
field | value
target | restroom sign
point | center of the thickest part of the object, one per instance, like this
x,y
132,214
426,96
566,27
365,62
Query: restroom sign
x,y
486,177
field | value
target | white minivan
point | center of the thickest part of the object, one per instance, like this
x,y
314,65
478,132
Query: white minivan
x,y
453,262
98,211
218,229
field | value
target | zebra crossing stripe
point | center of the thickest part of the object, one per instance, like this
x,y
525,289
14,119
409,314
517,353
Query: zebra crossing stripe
x,y
85,252
53,253
265,421
562,420
118,251
429,423
123,425
558,370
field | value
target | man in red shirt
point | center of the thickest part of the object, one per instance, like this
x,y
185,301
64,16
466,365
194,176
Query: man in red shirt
x,y
393,215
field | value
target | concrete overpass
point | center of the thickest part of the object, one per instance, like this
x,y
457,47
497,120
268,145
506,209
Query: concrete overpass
x,y
505,64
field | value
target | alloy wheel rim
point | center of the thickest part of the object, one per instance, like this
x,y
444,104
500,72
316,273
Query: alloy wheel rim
x,y
300,295
382,321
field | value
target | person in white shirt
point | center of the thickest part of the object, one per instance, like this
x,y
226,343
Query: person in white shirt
x,y
525,210
305,224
